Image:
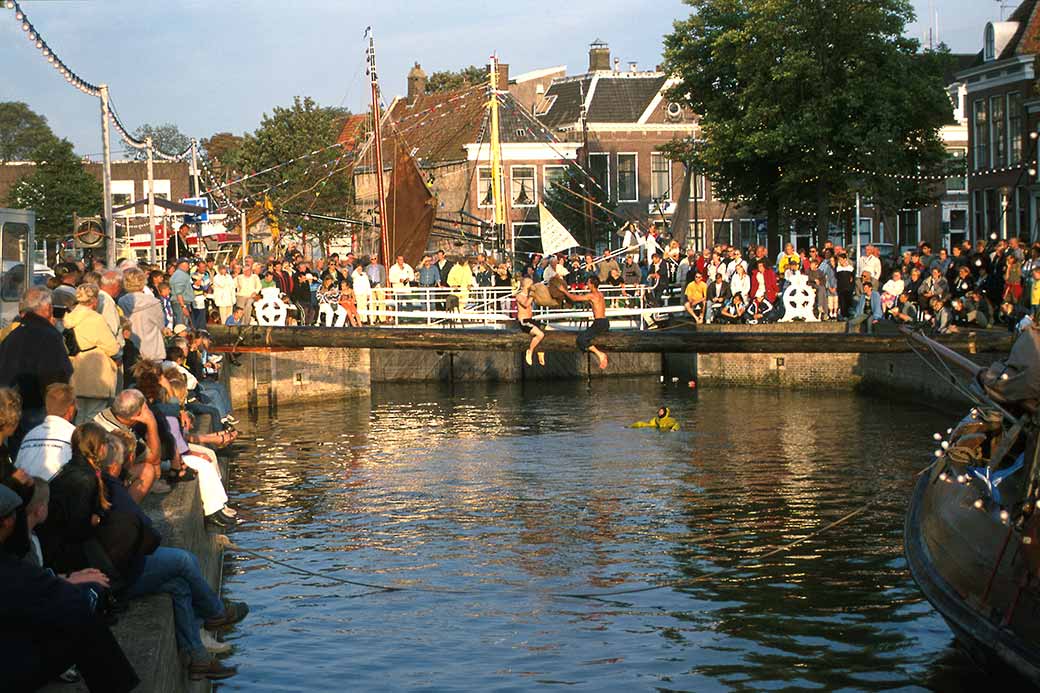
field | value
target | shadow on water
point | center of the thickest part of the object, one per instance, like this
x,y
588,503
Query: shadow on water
x,y
517,493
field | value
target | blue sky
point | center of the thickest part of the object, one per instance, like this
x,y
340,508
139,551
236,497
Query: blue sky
x,y
218,65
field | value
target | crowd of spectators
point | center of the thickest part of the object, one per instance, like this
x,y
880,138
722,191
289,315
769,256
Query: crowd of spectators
x,y
104,401
977,286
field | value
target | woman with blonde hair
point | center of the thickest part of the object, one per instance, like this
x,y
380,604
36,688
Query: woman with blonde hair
x,y
201,459
94,372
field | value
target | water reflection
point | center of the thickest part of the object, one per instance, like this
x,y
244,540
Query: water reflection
x,y
518,493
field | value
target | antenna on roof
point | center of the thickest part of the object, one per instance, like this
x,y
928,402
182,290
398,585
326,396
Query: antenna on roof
x,y
1004,7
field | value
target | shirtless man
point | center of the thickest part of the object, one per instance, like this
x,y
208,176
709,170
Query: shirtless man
x,y
525,316
600,325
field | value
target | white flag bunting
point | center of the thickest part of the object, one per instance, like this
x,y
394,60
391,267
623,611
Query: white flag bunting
x,y
555,237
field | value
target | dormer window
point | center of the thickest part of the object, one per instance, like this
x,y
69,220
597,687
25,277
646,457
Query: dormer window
x,y
989,50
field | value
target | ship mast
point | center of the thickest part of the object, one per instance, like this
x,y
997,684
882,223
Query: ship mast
x,y
377,137
497,189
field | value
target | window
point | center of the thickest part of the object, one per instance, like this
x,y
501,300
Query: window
x,y
958,180
627,178
527,238
981,136
1022,212
599,168
908,228
660,177
997,132
747,232
553,175
123,194
524,192
14,250
485,188
696,239
993,213
722,231
1016,139
866,231
697,188
989,41
958,226
979,211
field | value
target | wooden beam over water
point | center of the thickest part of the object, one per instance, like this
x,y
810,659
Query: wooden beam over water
x,y
704,341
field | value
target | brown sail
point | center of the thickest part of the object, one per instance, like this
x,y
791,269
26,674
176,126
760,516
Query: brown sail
x,y
681,218
410,207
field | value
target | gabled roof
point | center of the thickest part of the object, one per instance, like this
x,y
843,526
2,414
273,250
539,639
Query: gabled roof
x,y
612,98
439,126
1025,40
623,99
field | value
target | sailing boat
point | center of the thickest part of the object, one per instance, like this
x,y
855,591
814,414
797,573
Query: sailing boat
x,y
972,532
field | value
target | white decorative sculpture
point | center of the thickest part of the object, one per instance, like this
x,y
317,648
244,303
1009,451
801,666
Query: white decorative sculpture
x,y
799,299
270,311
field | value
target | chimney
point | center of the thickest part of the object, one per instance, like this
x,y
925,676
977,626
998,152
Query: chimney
x,y
599,56
633,67
416,83
503,75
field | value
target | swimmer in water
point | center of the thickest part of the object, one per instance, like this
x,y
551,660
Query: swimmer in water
x,y
662,422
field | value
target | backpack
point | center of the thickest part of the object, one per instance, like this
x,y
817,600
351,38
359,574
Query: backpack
x,y
71,344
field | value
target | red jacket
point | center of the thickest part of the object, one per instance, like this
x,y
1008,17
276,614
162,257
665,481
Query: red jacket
x,y
772,287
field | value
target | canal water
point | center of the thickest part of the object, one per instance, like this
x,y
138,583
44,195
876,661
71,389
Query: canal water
x,y
514,496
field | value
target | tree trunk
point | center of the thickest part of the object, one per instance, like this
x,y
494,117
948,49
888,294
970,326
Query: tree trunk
x,y
773,227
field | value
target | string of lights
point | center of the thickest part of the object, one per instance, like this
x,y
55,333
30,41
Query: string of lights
x,y
275,167
33,34
48,53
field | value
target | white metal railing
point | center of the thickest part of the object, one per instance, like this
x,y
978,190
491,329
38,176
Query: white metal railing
x,y
436,306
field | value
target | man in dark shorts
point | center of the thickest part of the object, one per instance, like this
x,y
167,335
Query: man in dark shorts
x,y
525,316
600,325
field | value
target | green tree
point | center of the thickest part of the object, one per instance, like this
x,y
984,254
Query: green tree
x,y
22,131
795,96
448,80
57,187
167,138
319,184
223,154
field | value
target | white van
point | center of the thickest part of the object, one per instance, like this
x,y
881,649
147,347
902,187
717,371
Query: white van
x,y
17,232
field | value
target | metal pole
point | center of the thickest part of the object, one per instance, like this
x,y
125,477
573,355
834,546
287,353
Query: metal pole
x,y
377,141
199,248
106,180
245,236
151,202
195,166
859,240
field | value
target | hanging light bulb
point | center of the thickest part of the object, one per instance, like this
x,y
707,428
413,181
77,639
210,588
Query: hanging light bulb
x,y
32,35
978,504
39,43
46,51
9,4
19,16
26,26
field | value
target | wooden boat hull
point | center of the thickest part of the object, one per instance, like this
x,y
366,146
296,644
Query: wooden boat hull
x,y
951,549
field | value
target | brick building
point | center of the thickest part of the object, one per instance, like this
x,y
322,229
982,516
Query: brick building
x,y
1003,109
628,117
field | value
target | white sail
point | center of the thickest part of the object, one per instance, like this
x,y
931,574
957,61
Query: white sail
x,y
555,237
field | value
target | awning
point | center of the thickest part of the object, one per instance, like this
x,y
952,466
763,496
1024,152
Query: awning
x,y
177,207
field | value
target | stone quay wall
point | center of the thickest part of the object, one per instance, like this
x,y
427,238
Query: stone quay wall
x,y
272,377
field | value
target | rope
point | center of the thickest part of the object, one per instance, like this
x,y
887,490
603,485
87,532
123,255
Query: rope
x,y
225,542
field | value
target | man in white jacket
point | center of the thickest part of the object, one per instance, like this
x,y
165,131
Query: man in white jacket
x,y
224,290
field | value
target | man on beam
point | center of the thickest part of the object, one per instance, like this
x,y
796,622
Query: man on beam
x,y
525,316
600,325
